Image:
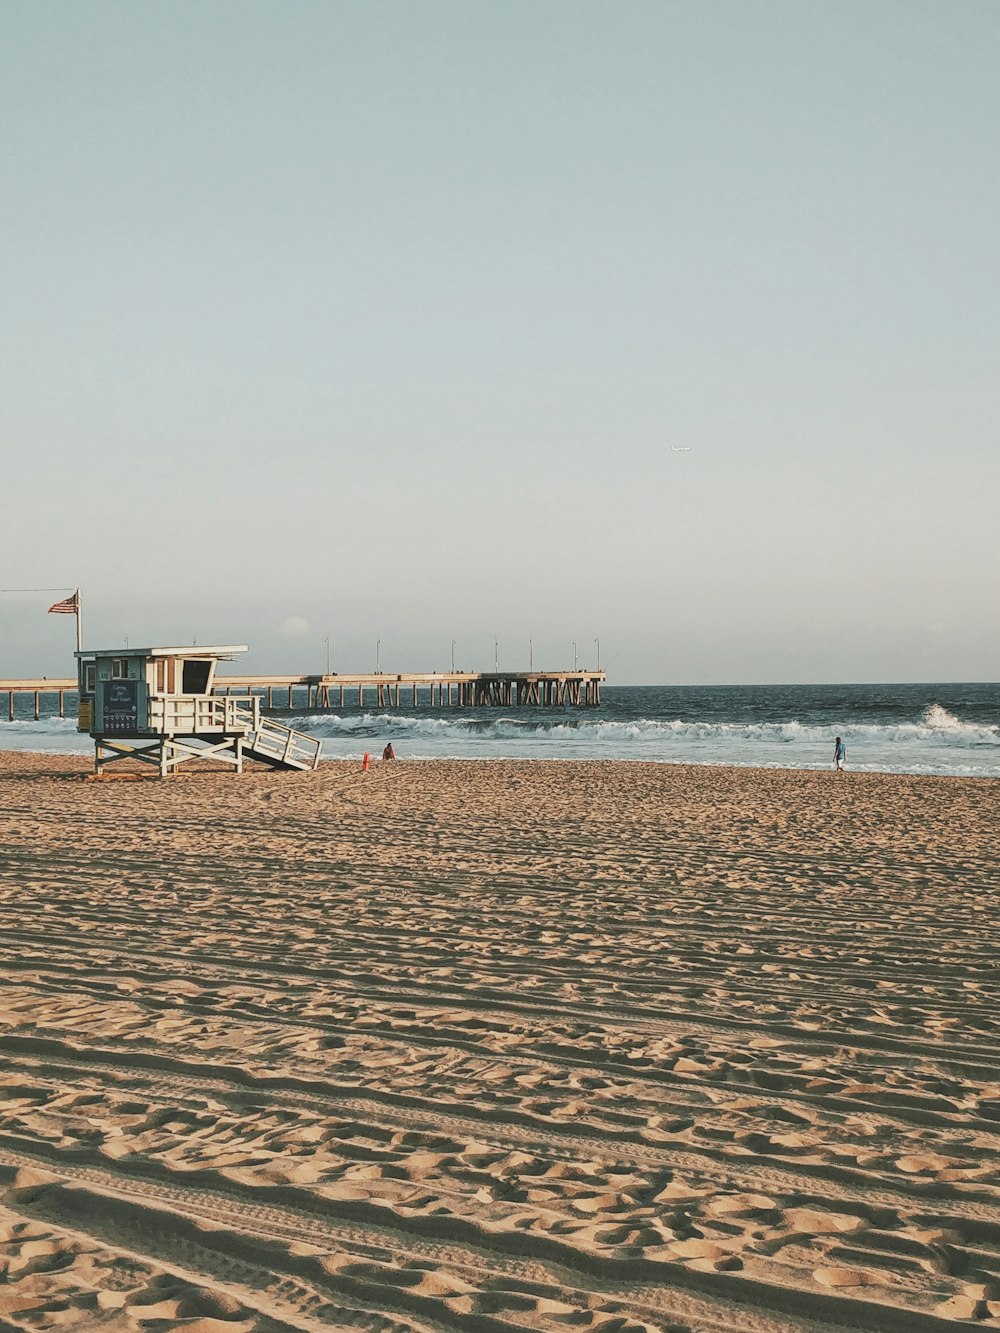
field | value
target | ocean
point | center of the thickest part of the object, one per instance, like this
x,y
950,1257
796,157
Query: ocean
x,y
935,728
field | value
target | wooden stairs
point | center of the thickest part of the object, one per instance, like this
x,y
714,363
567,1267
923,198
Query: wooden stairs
x,y
273,743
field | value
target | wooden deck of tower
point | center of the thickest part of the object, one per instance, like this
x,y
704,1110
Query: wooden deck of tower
x,y
457,689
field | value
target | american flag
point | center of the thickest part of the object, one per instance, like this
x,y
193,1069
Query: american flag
x,y
67,607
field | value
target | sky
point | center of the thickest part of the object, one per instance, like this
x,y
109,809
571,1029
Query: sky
x,y
670,325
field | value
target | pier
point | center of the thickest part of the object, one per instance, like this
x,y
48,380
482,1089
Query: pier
x,y
37,688
455,689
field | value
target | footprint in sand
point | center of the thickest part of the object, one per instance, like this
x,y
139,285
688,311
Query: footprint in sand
x,y
820,1223
740,1205
844,1277
925,1163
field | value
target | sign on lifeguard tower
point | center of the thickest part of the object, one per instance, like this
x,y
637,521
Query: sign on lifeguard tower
x,y
120,714
157,706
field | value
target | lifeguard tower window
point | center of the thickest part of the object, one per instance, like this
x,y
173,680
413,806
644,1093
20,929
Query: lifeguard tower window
x,y
119,668
89,677
195,677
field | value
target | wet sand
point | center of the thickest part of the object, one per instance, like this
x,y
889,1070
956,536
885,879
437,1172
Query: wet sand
x,y
496,1046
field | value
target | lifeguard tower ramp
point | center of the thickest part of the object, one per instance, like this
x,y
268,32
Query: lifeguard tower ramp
x,y
155,705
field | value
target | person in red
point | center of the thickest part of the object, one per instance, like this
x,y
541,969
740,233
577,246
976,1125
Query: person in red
x,y
388,752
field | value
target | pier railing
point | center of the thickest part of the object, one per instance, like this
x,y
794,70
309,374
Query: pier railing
x,y
462,689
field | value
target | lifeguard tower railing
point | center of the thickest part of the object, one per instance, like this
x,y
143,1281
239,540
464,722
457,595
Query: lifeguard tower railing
x,y
208,714
192,714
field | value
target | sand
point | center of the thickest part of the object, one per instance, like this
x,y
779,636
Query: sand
x,y
496,1046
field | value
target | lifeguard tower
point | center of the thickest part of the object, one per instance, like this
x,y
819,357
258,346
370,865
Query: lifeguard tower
x,y
157,705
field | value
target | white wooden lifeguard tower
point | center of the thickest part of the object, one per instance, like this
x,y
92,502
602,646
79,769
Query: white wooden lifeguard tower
x,y
157,705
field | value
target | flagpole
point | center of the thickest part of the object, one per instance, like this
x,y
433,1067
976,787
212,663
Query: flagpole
x,y
79,625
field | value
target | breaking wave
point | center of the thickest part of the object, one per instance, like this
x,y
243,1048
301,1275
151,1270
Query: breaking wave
x,y
930,739
931,727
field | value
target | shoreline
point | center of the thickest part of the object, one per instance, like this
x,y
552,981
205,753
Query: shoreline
x,y
208,766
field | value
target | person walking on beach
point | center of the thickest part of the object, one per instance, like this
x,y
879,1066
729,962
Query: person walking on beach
x,y
388,752
839,755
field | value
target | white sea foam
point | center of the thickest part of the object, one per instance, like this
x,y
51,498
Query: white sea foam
x,y
52,734
650,730
934,741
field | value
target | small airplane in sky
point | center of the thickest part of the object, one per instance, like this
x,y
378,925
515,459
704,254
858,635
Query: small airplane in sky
x,y
680,448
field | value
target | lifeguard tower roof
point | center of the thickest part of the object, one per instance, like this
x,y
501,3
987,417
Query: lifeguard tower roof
x,y
225,651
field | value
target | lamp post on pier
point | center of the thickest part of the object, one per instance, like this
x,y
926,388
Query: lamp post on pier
x,y
597,644
496,655
575,659
453,657
327,642
531,656
378,657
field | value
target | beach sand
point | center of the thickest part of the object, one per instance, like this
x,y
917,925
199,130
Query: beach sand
x,y
494,1046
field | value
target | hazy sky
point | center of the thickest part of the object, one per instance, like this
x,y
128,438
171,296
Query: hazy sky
x,y
382,320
